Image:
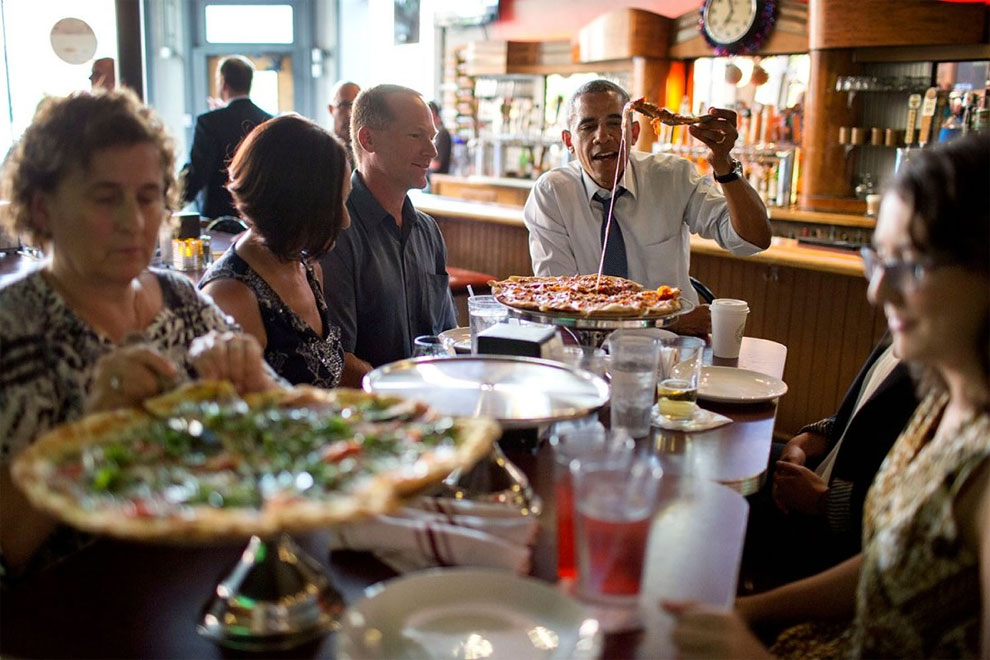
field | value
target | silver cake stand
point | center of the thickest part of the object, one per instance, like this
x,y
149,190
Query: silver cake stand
x,y
276,597
518,392
594,331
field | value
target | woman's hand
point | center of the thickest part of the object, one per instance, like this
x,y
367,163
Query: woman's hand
x,y
235,357
128,376
702,631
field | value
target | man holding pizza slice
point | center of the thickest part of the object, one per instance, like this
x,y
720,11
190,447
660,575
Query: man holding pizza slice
x,y
661,200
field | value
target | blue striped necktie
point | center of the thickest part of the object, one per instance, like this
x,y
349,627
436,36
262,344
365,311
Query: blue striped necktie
x,y
615,253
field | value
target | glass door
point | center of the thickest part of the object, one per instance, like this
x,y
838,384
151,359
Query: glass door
x,y
275,35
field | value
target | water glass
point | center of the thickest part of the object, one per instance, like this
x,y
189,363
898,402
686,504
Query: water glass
x,y
429,345
484,312
572,441
678,375
633,370
614,506
584,357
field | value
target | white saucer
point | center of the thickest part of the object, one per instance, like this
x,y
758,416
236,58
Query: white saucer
x,y
731,385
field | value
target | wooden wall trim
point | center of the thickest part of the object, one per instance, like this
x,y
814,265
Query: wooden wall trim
x,y
827,174
864,23
624,33
649,79
824,320
943,53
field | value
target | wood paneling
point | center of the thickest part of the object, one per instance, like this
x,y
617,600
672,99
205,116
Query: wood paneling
x,y
957,52
649,79
624,33
479,191
827,173
498,249
863,23
824,320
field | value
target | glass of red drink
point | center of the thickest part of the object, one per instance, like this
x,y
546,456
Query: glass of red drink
x,y
571,442
614,507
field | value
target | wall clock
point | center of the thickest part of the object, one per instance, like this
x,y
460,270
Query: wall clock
x,y
737,27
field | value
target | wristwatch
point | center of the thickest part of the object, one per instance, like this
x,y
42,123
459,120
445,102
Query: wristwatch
x,y
732,175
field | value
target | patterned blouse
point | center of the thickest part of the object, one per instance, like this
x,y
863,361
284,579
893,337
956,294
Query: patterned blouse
x,y
293,348
918,594
919,589
48,354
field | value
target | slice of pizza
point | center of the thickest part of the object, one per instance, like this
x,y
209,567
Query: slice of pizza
x,y
661,115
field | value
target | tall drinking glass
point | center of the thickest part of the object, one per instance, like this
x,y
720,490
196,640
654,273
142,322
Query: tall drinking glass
x,y
634,377
484,312
615,502
572,442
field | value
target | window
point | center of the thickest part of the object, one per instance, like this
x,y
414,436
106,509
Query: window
x,y
249,24
33,70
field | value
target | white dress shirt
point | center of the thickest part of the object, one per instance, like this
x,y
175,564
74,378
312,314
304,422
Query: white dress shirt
x,y
667,200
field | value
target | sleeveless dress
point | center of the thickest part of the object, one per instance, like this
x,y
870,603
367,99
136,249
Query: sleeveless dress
x,y
294,350
918,594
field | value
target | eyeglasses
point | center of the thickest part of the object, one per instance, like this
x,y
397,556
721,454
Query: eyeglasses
x,y
900,275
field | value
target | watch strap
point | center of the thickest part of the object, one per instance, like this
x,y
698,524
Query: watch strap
x,y
732,175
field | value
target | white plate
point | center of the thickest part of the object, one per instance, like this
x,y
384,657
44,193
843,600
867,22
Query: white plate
x,y
731,385
459,338
466,613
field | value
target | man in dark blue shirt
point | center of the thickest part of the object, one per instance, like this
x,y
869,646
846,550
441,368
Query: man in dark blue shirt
x,y
386,280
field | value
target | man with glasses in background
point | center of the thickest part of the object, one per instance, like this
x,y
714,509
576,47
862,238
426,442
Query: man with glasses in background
x,y
341,102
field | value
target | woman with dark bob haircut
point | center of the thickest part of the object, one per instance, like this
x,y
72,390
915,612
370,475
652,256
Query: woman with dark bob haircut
x,y
290,180
921,586
93,327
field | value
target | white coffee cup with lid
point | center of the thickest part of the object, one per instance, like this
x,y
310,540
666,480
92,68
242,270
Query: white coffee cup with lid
x,y
728,323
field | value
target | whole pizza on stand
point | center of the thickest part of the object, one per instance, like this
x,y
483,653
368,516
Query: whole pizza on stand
x,y
586,296
203,464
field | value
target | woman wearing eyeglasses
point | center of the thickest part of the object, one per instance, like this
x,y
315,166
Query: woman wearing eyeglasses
x,y
921,586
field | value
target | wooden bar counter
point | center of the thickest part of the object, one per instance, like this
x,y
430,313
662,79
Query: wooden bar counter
x,y
811,299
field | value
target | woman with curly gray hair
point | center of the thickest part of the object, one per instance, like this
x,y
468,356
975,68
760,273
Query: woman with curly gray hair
x,y
95,328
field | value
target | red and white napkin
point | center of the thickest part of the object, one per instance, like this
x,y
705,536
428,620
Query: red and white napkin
x,y
439,531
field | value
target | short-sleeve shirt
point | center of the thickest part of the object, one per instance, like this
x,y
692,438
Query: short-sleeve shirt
x,y
293,349
666,201
386,285
48,354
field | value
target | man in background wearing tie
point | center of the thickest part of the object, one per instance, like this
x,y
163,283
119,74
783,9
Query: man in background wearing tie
x,y
660,201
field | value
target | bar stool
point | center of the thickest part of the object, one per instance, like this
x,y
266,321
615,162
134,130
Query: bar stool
x,y
460,278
